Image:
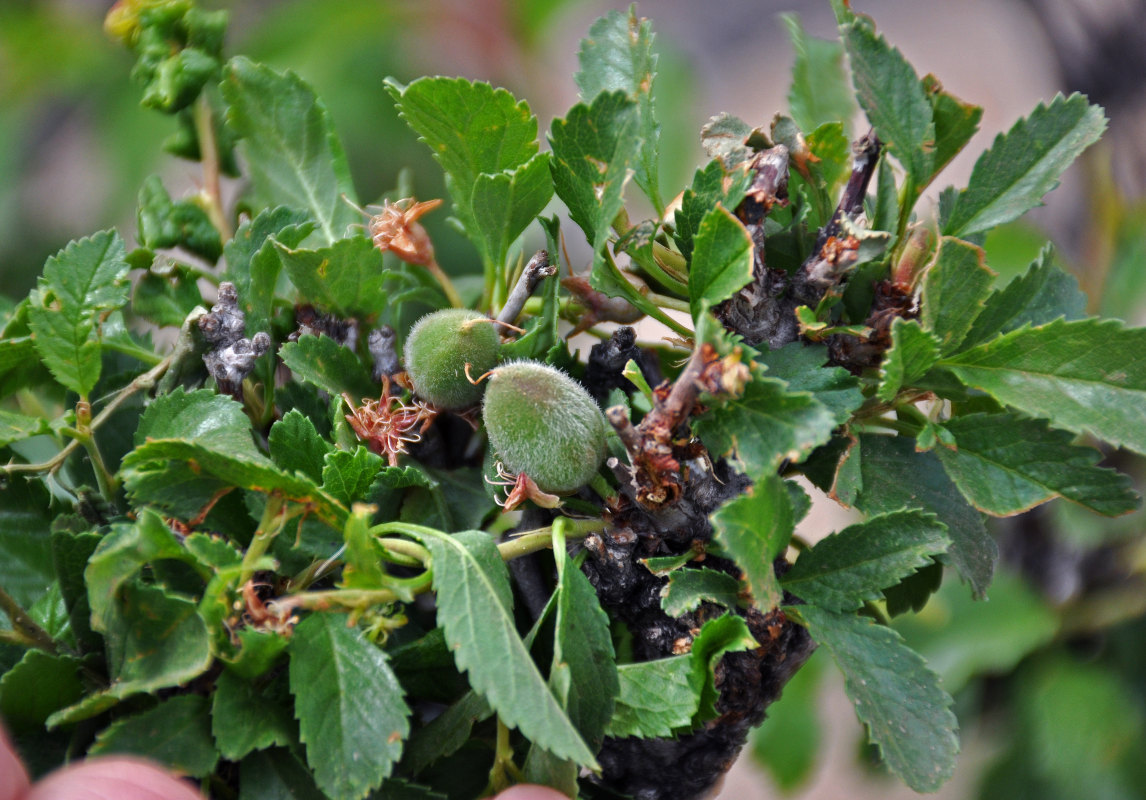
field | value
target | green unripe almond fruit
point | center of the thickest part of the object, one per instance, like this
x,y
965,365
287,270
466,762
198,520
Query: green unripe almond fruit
x,y
542,423
437,350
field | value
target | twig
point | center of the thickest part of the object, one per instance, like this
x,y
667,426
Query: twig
x,y
144,381
209,156
28,633
536,270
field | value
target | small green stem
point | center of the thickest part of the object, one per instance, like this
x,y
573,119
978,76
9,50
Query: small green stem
x,y
664,301
601,486
412,551
504,771
209,156
447,285
274,518
342,598
898,425
108,485
144,381
523,544
25,632
910,414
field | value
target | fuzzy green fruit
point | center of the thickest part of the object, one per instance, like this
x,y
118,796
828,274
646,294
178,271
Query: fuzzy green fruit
x,y
542,423
437,350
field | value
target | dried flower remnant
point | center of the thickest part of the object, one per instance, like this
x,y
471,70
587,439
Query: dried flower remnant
x,y
387,424
231,356
396,228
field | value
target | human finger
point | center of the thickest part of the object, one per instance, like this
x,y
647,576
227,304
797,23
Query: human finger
x,y
114,778
526,792
13,776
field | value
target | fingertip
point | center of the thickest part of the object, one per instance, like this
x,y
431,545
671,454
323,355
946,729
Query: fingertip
x,y
114,778
527,792
13,776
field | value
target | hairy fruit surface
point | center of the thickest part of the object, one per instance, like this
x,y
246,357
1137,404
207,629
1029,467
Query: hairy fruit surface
x,y
438,348
544,424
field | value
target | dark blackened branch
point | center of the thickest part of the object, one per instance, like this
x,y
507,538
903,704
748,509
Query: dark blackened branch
x,y
231,356
536,270
382,344
605,368
311,323
657,445
836,250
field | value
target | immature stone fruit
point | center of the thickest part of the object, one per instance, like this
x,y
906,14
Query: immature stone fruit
x,y
542,424
438,348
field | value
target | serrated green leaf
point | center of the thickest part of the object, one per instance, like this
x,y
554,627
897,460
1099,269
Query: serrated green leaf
x,y
201,433
38,685
20,364
253,262
804,368
846,569
712,184
445,733
656,698
176,733
583,673
258,652
765,426
755,528
1005,464
907,713
1040,295
346,279
470,127
245,717
347,476
503,205
296,446
166,300
955,122
1088,376
328,365
819,92
594,148
725,634
894,476
721,259
1025,163
965,638
154,641
475,609
618,55
885,215
70,554
120,555
954,289
486,141
84,280
290,145
893,99
26,568
913,352
688,588
276,774
351,712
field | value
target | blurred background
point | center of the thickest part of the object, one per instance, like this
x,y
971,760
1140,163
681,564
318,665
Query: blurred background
x,y
1048,674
